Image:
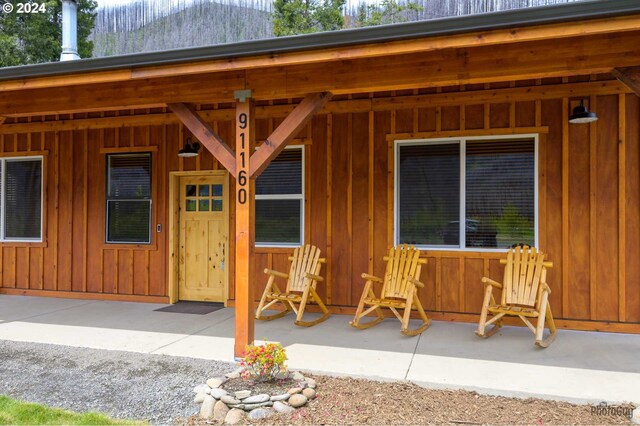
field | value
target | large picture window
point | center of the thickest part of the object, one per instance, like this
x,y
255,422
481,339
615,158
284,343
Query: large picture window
x,y
129,198
21,199
468,193
280,200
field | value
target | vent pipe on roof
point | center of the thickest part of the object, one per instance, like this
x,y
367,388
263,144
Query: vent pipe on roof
x,y
69,31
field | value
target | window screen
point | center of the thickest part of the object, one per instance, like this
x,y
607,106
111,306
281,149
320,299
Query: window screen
x,y
500,198
279,200
129,198
429,194
22,198
498,194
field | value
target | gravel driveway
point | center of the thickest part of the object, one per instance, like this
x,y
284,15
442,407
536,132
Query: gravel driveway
x,y
121,384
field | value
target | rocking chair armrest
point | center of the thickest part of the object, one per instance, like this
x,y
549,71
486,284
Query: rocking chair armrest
x,y
372,278
415,282
545,287
276,273
489,281
313,276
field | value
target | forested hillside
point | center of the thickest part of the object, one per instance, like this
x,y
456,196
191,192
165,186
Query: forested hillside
x,y
148,25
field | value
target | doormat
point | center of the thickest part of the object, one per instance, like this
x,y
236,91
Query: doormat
x,y
198,308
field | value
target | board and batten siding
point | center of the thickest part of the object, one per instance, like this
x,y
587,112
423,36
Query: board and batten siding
x,y
589,202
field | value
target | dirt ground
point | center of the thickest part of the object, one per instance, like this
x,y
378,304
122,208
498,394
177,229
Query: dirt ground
x,y
346,401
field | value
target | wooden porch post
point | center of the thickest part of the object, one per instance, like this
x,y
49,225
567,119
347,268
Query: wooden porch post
x,y
245,195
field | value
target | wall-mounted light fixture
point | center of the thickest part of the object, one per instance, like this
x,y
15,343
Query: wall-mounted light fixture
x,y
190,149
581,114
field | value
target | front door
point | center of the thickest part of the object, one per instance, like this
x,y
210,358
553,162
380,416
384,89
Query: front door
x,y
204,233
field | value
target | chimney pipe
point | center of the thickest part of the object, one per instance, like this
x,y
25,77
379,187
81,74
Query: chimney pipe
x,y
69,31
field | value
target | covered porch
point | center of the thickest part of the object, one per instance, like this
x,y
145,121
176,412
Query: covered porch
x,y
579,367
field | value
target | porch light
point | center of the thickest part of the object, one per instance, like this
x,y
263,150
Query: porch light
x,y
190,149
582,115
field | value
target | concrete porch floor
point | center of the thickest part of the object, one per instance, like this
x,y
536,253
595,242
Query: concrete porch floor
x,y
578,366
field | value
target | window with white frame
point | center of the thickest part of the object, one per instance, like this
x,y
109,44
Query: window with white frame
x,y
21,199
466,193
280,200
128,198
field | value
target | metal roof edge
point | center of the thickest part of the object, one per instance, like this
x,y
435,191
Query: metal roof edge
x,y
435,27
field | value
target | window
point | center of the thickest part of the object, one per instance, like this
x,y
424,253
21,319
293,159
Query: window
x,y
280,200
21,199
487,184
129,198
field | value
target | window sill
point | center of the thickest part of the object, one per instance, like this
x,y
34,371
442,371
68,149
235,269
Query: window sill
x,y
23,244
133,246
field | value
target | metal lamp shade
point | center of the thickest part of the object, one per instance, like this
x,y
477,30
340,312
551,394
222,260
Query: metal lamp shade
x,y
189,149
582,115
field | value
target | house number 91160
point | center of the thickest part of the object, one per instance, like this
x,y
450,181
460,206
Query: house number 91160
x,y
242,174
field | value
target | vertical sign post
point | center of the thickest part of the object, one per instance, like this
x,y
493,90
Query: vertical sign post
x,y
245,189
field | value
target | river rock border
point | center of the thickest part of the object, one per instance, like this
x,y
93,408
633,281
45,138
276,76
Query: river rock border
x,y
232,408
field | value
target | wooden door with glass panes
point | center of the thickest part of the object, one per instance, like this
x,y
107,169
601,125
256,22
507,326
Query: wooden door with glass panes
x,y
204,234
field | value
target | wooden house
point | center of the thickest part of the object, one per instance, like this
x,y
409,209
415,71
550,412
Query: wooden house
x,y
451,134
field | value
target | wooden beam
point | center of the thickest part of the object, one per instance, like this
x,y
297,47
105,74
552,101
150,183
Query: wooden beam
x,y
245,194
201,130
484,64
630,76
384,103
286,131
371,50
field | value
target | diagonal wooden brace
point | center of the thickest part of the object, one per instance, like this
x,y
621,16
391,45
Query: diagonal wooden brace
x,y
201,130
629,76
286,131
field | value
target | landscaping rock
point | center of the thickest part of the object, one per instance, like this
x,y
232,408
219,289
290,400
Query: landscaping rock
x,y
238,406
228,399
249,407
311,383
218,393
202,388
282,375
242,394
635,416
283,408
235,373
256,399
234,416
282,397
260,413
297,400
297,376
215,382
294,391
309,393
206,410
199,399
220,411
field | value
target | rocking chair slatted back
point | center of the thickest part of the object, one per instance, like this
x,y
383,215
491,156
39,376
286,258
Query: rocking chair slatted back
x,y
305,259
522,275
402,262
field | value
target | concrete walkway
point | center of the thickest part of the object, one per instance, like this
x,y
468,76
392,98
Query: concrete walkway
x,y
579,366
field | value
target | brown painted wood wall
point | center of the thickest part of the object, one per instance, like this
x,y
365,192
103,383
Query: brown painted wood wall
x,y
589,206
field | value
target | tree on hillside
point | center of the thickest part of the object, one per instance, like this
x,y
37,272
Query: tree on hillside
x,y
387,12
31,38
292,17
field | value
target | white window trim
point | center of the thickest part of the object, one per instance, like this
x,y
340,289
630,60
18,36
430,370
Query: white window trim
x,y
289,197
4,160
462,214
106,200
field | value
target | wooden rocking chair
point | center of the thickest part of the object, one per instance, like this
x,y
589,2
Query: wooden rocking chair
x,y
399,290
302,280
525,294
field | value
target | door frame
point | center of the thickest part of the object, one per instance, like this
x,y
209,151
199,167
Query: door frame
x,y
174,227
